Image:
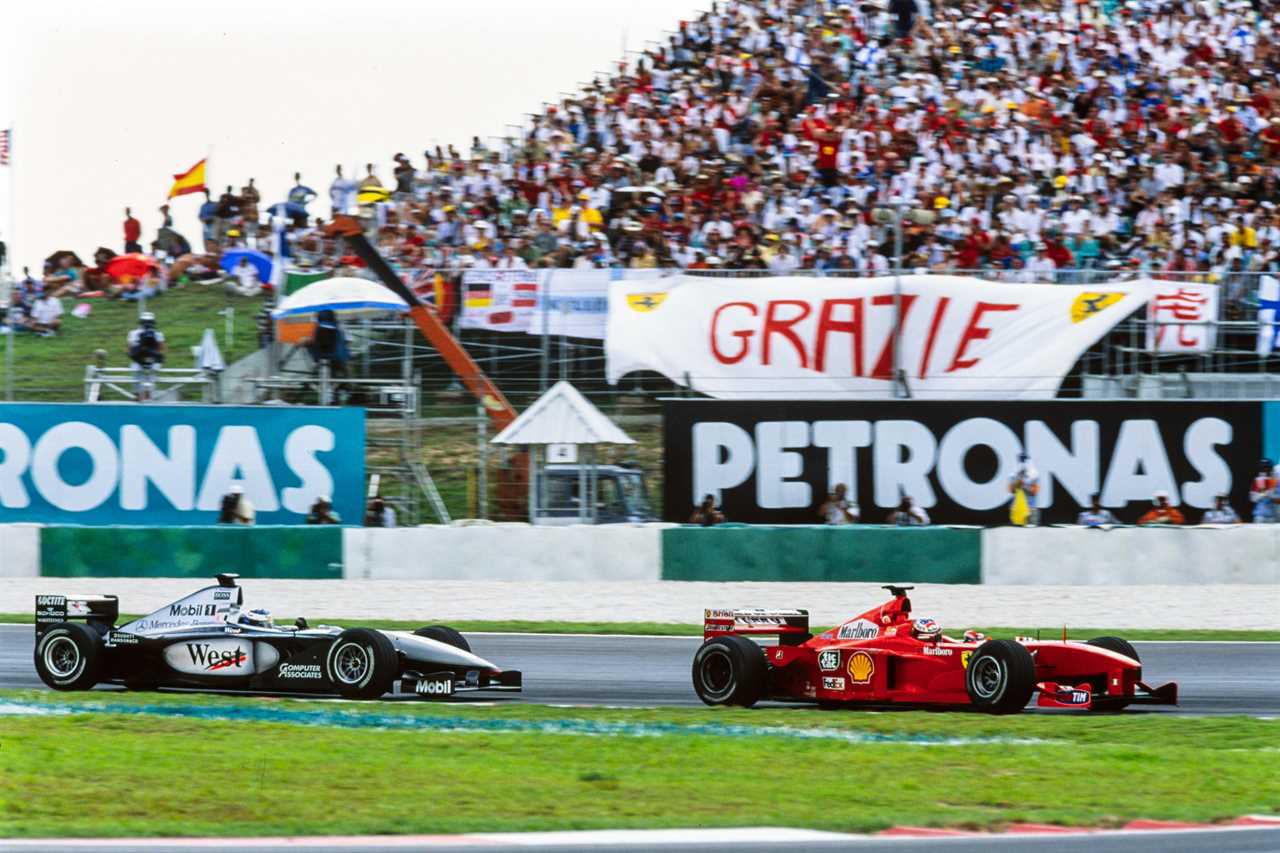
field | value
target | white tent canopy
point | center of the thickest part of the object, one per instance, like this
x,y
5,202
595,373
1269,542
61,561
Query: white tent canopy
x,y
342,295
210,355
562,416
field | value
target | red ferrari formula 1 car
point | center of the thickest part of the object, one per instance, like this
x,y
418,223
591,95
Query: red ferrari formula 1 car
x,y
885,657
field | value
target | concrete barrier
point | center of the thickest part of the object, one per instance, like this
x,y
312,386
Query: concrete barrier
x,y
805,552
1240,554
191,552
19,550
505,552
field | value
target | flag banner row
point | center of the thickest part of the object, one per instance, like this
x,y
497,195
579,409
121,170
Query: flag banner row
x,y
1268,315
574,303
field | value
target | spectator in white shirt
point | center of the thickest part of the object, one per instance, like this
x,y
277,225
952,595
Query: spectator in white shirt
x,y
46,315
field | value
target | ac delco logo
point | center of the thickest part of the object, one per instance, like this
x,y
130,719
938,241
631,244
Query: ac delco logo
x,y
214,659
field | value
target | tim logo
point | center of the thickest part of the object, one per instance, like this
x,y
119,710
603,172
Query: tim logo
x,y
213,660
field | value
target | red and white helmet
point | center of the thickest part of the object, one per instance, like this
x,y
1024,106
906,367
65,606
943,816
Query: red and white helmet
x,y
925,628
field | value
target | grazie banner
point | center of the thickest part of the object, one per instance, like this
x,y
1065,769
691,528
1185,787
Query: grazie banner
x,y
833,338
98,463
774,462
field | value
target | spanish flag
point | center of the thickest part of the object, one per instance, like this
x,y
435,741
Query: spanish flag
x,y
190,181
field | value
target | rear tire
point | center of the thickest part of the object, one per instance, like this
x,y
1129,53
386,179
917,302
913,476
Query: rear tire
x,y
730,670
446,635
1120,646
1001,677
68,656
362,664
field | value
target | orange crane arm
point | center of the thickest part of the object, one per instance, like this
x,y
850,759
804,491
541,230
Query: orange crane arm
x,y
437,334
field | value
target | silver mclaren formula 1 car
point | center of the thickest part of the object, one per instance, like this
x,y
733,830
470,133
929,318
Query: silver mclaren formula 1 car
x,y
211,640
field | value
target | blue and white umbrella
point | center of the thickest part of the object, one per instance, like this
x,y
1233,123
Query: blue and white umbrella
x,y
340,295
260,261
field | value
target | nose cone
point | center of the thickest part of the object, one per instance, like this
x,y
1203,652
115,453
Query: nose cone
x,y
425,650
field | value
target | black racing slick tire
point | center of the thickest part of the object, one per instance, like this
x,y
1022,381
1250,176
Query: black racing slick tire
x,y
362,664
446,635
68,656
1120,646
730,670
1000,677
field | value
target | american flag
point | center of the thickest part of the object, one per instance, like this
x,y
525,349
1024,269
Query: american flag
x,y
4,146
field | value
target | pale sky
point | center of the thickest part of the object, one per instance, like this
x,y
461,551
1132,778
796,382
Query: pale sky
x,y
110,100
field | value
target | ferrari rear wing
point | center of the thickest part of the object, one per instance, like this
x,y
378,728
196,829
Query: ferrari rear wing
x,y
783,623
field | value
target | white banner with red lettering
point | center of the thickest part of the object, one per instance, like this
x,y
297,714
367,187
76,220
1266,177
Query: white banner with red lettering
x,y
1180,317
833,338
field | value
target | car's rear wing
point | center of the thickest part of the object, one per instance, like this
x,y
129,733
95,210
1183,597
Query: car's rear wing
x,y
788,624
101,611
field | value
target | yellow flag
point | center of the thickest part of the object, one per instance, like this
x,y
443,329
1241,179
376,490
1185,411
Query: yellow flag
x,y
1020,509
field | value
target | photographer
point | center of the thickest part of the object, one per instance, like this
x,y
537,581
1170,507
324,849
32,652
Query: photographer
x,y
322,512
235,507
146,349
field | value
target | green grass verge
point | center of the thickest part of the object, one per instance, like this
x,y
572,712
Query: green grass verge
x,y
52,369
679,629
162,775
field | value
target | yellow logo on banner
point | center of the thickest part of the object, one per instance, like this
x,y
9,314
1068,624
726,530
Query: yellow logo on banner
x,y
645,301
1088,304
861,667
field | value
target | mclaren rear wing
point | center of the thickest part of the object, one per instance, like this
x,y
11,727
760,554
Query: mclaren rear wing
x,y
101,611
788,625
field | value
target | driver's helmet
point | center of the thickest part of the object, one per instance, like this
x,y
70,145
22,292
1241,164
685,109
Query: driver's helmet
x,y
259,617
925,628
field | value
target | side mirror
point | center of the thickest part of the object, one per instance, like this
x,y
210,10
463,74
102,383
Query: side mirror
x,y
300,624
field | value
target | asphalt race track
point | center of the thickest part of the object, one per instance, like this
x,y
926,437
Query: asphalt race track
x,y
1213,678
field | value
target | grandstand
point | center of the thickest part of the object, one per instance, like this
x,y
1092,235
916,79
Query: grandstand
x,y
1066,143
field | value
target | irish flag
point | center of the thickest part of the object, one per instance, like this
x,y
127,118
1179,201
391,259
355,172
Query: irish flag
x,y
190,181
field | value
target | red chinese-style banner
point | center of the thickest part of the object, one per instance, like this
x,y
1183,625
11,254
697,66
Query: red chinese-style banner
x,y
834,338
1181,317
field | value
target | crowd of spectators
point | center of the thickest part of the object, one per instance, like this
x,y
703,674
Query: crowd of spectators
x,y
1051,141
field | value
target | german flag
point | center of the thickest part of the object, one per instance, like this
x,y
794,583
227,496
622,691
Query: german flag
x,y
190,181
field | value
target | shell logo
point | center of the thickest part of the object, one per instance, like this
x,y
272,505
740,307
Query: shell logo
x,y
861,667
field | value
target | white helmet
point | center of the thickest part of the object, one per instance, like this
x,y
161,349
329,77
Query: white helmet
x,y
259,617
925,628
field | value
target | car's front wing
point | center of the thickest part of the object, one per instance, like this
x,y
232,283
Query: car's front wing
x,y
442,685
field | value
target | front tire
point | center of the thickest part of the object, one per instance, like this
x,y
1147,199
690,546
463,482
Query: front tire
x,y
1123,647
362,664
730,670
68,656
1001,677
444,634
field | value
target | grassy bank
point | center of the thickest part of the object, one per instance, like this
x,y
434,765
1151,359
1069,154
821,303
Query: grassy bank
x,y
52,369
679,629
533,768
